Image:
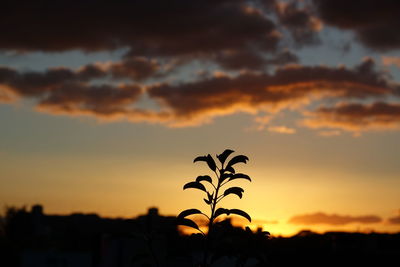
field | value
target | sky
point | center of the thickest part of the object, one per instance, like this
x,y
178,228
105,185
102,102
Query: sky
x,y
104,106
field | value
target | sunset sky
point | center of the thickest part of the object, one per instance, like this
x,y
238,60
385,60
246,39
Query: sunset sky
x,y
104,106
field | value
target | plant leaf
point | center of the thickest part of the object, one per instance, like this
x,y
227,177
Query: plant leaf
x,y
208,202
266,233
204,178
196,185
188,212
234,190
200,158
211,163
230,169
238,159
224,155
220,211
224,176
239,176
240,213
187,222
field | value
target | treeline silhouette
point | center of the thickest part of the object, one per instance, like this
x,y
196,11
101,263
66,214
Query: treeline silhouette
x,y
30,238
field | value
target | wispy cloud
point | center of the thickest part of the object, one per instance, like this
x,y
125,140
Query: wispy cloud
x,y
355,117
387,61
333,219
72,92
282,129
394,219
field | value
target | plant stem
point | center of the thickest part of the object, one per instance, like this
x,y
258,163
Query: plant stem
x,y
210,223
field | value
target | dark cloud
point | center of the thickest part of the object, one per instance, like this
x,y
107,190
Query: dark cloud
x,y
300,22
245,38
356,117
251,92
394,220
34,83
148,28
38,83
269,5
104,100
235,34
375,22
334,219
76,92
137,68
66,91
236,60
282,58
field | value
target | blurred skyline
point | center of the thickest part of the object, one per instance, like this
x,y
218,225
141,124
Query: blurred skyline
x,y
103,107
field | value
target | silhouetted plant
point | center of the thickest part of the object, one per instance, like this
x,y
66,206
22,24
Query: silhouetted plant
x,y
224,175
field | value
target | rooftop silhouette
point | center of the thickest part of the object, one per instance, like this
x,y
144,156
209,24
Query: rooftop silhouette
x,y
31,238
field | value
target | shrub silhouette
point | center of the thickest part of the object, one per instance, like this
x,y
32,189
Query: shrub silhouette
x,y
224,175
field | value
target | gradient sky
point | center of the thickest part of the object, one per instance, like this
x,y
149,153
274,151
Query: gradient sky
x,y
103,108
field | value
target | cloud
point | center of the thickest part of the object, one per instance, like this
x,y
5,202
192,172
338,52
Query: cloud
x,y
394,220
282,58
235,34
251,93
355,117
281,129
300,22
34,83
374,22
102,100
334,219
70,92
262,122
38,83
6,95
387,61
76,92
136,68
235,60
246,40
151,28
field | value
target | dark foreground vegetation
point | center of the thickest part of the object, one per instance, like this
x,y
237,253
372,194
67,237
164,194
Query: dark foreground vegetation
x,y
32,238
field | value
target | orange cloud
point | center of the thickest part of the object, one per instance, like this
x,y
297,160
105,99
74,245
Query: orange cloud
x,y
387,61
288,87
281,129
334,219
73,92
395,219
7,95
355,117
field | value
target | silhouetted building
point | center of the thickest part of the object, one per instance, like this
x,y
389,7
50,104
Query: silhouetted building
x,y
35,239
